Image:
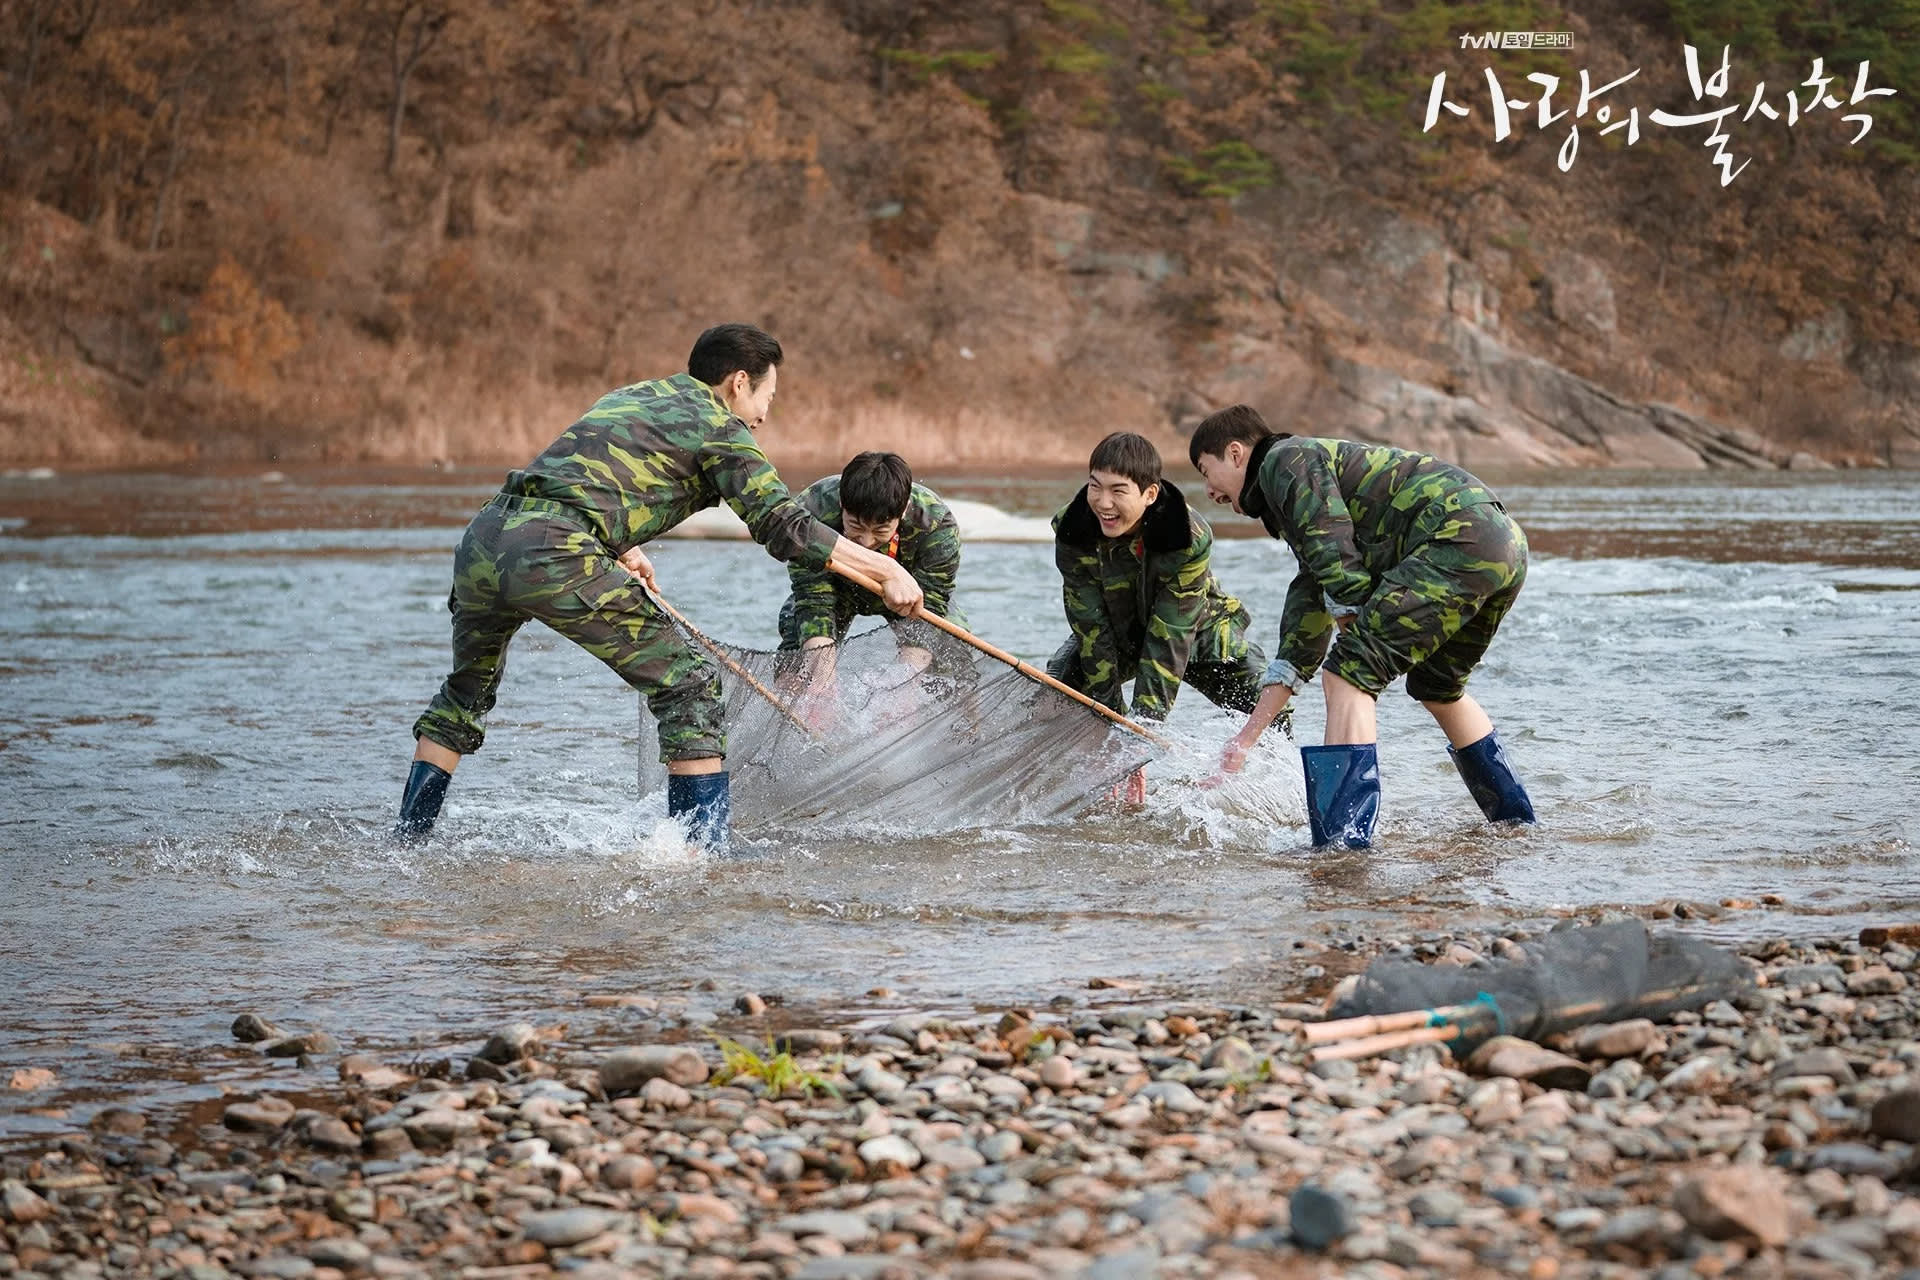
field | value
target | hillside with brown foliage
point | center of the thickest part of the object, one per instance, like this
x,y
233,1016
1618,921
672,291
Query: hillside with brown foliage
x,y
436,229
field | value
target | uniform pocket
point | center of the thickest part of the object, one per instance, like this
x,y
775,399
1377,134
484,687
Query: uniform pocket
x,y
615,591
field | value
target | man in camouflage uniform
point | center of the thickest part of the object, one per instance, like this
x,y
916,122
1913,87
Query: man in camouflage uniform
x,y
1414,562
875,502
1140,595
562,541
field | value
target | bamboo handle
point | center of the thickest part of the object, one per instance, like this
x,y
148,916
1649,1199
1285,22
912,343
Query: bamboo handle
x,y
1374,1024
961,633
1370,1025
738,670
1368,1046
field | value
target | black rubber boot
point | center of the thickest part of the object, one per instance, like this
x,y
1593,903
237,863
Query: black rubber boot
x,y
420,802
1343,793
1489,776
706,800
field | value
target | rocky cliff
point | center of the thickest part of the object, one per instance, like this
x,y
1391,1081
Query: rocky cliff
x,y
987,235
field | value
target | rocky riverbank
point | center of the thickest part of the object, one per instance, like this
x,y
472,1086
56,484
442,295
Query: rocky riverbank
x,y
1085,1136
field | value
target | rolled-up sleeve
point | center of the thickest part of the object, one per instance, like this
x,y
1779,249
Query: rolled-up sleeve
x,y
731,461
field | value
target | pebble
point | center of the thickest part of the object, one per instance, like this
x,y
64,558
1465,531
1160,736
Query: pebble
x,y
340,1252
1437,1207
22,1204
626,1070
329,1133
665,1095
301,1046
1059,1138
251,1028
510,1044
839,1226
804,1040
629,1173
268,1114
1517,1059
1897,1116
890,1149
1613,1039
560,1228
121,1121
1319,1217
1830,1063
1724,1204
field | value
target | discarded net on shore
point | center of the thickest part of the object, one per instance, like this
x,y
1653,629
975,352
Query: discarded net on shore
x,y
966,742
1573,976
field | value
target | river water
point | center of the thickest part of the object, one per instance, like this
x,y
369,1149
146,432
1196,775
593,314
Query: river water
x,y
206,684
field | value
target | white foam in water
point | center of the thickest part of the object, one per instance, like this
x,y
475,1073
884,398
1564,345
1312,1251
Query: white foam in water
x,y
978,521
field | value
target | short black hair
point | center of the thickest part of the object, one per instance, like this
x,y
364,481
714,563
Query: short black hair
x,y
874,487
1241,422
1126,454
721,350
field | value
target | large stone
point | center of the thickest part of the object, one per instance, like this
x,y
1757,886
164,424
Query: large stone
x,y
663,1094
1897,1116
560,1228
890,1149
801,1040
269,1114
330,1133
1645,1227
1853,1158
1516,1059
1696,1075
847,1228
1319,1217
629,1173
1231,1053
301,1046
339,1252
1830,1063
510,1044
1741,1200
1174,1097
251,1028
1613,1039
626,1070
443,1126
21,1204
1878,980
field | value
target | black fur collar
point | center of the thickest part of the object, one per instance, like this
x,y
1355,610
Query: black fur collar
x,y
1252,501
1165,527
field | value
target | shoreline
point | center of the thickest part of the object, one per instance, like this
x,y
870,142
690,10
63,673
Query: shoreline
x,y
1092,1132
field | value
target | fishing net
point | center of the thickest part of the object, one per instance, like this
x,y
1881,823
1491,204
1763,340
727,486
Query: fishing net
x,y
963,742
1571,977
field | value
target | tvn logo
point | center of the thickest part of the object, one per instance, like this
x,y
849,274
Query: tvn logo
x,y
1518,40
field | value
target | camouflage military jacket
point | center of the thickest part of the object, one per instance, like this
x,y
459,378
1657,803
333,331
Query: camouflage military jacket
x,y
1138,601
647,456
927,546
1350,512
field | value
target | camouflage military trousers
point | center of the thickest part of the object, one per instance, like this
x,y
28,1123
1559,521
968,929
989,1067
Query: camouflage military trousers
x,y
1433,615
526,558
1223,665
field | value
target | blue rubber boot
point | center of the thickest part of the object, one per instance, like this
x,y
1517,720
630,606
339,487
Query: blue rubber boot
x,y
420,802
707,800
1496,789
1343,793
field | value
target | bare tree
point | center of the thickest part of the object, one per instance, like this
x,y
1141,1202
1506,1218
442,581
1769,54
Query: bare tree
x,y
415,27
